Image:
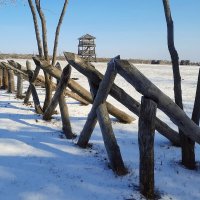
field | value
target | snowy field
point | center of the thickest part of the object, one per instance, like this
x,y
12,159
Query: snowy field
x,y
37,163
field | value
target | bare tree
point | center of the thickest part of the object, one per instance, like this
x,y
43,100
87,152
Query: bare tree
x,y
44,29
37,32
43,49
58,32
188,155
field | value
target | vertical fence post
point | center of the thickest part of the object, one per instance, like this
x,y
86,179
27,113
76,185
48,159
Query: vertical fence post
x,y
19,86
1,77
5,79
11,82
146,146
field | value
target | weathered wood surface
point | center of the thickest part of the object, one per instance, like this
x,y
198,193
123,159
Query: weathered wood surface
x,y
40,81
59,98
99,110
28,92
16,65
146,133
4,76
166,104
16,71
11,82
196,108
75,87
187,146
67,129
99,94
110,142
33,80
60,89
195,119
1,77
38,108
58,66
119,94
19,85
99,107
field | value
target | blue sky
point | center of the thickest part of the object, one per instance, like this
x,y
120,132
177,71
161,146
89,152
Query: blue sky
x,y
131,28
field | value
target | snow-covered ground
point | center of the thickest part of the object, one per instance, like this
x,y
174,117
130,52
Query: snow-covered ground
x,y
37,163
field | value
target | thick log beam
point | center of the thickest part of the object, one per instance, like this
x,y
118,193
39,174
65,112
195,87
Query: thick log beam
x,y
38,108
89,126
1,77
11,82
60,89
99,110
146,133
165,103
119,94
59,98
75,87
40,81
4,76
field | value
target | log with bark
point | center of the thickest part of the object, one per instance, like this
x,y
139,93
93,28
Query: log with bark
x,y
165,103
1,77
11,82
99,111
39,80
38,108
119,94
60,89
75,87
4,77
146,133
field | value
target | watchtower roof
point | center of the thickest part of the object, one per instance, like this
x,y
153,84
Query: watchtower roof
x,y
87,37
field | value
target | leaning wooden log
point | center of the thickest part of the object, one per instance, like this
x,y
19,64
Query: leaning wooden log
x,y
60,89
38,108
16,65
148,89
67,130
75,87
16,71
40,81
146,133
99,110
119,94
59,98
89,126
33,80
11,82
110,141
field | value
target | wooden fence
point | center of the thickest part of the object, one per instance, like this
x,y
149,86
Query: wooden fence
x,y
100,87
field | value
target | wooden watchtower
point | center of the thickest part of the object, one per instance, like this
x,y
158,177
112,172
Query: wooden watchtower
x,y
86,47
